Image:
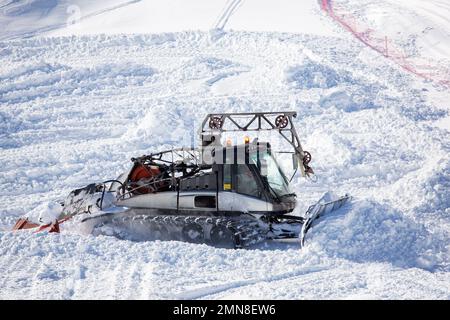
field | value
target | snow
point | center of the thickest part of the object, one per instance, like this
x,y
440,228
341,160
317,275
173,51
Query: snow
x,y
80,17
76,105
62,266
429,32
413,34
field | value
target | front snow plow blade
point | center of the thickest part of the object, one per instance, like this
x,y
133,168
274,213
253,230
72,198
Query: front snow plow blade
x,y
23,224
323,206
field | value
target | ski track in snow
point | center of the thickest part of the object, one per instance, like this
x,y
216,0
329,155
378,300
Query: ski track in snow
x,y
73,110
230,7
214,290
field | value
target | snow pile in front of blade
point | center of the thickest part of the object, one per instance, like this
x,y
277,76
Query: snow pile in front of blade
x,y
371,232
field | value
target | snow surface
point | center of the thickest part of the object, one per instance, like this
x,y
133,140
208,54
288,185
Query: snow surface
x,y
79,17
75,109
428,35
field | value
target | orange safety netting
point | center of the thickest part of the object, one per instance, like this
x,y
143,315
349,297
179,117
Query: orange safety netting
x,y
424,68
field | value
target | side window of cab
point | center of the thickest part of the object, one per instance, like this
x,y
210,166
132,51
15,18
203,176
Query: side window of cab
x,y
246,182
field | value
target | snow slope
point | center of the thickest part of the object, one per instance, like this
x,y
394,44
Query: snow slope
x,y
420,27
415,34
63,17
74,109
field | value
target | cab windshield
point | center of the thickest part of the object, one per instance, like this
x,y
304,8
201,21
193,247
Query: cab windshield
x,y
271,171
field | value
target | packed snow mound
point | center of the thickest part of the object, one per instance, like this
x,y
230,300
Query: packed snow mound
x,y
436,190
315,75
161,129
372,232
46,212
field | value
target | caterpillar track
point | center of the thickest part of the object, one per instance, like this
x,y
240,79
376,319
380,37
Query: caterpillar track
x,y
217,231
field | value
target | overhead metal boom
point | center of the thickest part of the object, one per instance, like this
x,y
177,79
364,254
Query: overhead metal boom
x,y
215,124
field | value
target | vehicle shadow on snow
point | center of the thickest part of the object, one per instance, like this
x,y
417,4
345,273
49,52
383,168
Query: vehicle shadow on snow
x,y
272,245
